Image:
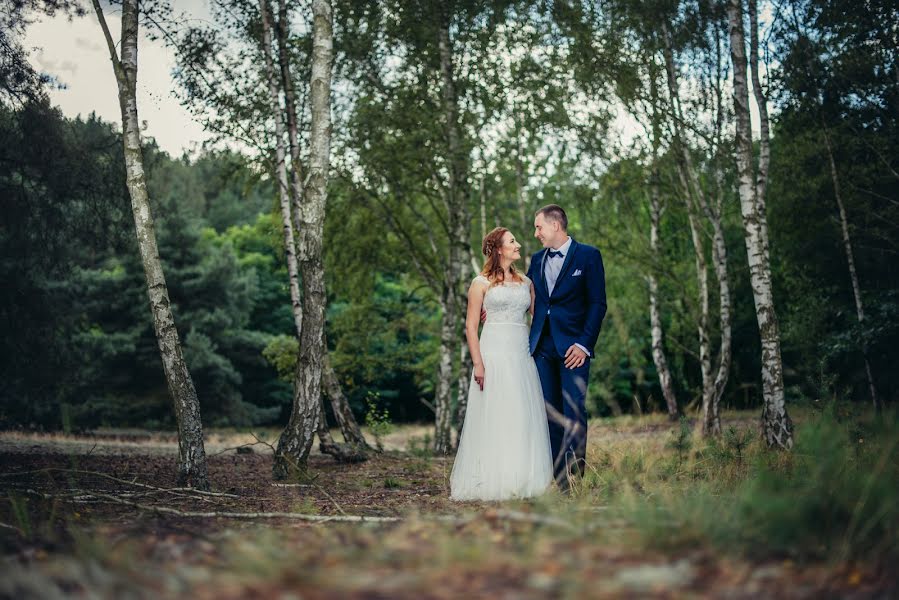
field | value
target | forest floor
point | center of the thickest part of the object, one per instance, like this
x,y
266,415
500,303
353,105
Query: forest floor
x,y
99,516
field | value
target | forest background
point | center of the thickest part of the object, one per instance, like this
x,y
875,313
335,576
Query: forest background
x,y
538,122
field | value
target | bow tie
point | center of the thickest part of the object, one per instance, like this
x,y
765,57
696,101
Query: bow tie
x,y
555,253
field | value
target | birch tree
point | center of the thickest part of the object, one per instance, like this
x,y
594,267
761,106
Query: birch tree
x,y
291,196
296,440
777,427
191,452
699,205
655,215
330,384
850,261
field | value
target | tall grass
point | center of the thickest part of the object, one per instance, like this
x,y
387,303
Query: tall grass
x,y
834,496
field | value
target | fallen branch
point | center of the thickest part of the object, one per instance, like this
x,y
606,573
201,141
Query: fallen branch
x,y
235,448
13,527
492,515
249,515
186,490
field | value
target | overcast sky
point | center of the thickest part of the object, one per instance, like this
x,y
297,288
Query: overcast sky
x,y
75,52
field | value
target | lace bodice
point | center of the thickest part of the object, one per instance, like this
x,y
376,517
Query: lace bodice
x,y
507,302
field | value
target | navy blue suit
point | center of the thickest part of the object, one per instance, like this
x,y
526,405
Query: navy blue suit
x,y
573,313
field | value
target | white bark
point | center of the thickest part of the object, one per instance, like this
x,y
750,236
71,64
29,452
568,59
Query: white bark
x,y
655,215
296,440
655,319
850,259
352,434
697,205
443,390
777,428
459,222
287,224
191,452
462,385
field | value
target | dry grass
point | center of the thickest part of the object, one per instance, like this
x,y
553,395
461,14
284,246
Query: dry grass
x,y
634,529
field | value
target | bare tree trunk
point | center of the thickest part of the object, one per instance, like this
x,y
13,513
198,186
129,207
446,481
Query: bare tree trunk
x,y
352,434
443,391
522,200
693,199
459,222
191,452
287,225
711,424
296,440
464,380
853,274
777,427
712,421
761,181
655,320
344,453
482,196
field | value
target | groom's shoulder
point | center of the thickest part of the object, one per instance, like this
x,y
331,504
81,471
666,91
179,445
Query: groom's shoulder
x,y
588,250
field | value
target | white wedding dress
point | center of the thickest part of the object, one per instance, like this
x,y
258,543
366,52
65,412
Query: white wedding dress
x,y
504,449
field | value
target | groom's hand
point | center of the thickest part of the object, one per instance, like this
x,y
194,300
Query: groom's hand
x,y
574,357
483,315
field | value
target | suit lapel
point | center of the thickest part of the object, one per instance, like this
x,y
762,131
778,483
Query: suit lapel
x,y
566,265
543,272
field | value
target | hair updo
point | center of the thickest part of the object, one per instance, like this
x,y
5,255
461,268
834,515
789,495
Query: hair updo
x,y
490,247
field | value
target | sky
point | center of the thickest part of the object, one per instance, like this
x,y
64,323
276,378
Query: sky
x,y
75,52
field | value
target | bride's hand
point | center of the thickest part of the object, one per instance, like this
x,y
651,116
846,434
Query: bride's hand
x,y
479,376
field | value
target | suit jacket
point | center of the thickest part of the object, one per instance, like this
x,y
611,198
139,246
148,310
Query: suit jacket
x,y
577,305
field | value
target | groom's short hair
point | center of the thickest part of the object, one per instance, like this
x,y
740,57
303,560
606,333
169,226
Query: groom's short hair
x,y
554,212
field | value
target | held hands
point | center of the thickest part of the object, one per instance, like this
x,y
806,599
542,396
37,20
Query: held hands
x,y
479,376
574,357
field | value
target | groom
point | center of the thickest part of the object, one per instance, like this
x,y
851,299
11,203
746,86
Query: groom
x,y
569,306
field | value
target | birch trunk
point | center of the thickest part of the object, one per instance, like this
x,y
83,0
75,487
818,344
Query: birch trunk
x,y
296,440
850,258
777,427
191,452
352,434
761,181
464,380
655,216
694,198
460,254
711,424
281,176
344,453
655,320
444,390
522,201
482,196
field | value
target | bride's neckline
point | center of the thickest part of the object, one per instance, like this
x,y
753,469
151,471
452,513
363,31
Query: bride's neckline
x,y
506,283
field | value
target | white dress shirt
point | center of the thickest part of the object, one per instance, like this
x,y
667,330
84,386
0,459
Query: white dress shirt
x,y
552,266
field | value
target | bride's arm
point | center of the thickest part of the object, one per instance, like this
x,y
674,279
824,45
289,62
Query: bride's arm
x,y
533,298
472,319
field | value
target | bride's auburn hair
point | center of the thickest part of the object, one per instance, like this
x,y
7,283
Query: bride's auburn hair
x,y
491,246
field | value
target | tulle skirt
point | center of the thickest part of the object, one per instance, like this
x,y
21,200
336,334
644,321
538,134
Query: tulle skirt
x,y
504,449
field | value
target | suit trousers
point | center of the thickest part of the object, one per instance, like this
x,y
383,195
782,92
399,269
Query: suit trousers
x,y
565,395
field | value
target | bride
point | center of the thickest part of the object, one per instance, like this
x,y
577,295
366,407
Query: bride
x,y
504,449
